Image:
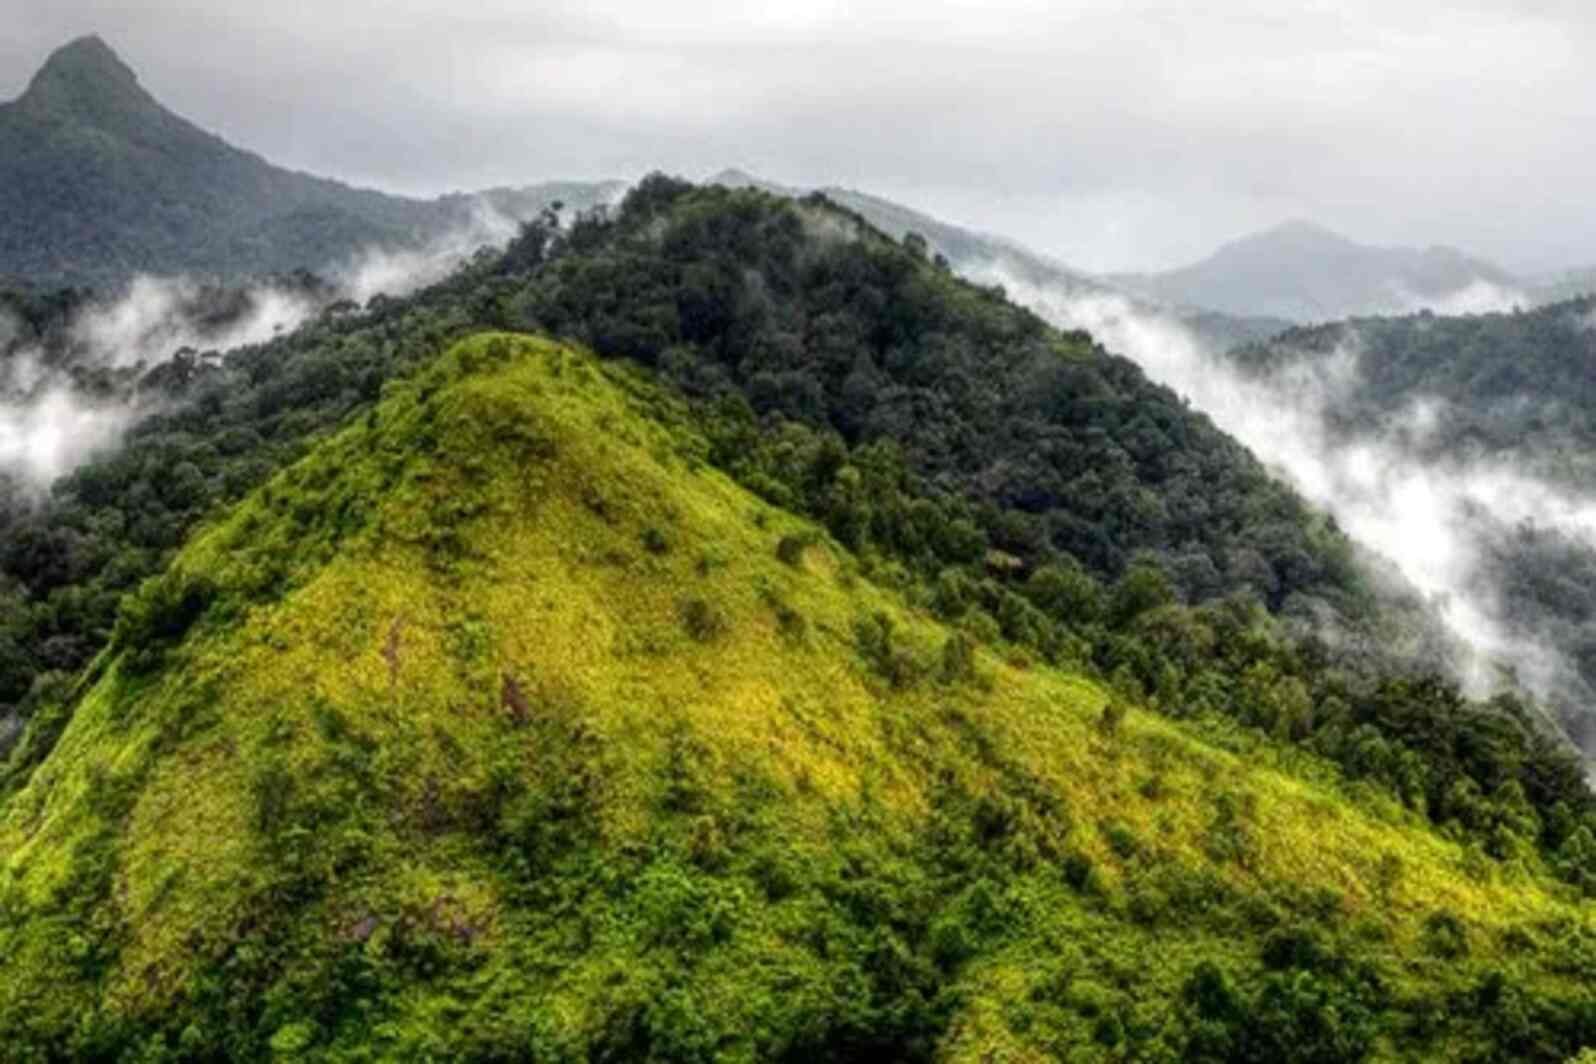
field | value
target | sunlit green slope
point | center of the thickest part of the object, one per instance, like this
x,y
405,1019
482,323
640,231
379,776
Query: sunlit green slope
x,y
503,727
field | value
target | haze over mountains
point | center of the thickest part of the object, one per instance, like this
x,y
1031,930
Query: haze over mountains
x,y
1305,273
1293,273
99,182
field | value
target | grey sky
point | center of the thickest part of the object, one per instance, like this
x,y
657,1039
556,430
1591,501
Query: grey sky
x,y
1114,135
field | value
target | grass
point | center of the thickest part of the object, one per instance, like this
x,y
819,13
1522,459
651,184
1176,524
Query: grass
x,y
496,735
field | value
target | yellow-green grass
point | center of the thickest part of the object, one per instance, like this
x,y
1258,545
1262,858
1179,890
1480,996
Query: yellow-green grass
x,y
519,576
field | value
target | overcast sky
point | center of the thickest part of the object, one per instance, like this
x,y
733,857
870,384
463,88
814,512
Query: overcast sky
x,y
1114,135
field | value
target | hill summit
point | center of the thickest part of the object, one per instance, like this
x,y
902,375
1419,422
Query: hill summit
x,y
86,80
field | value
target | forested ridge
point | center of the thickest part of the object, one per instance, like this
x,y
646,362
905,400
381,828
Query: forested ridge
x,y
100,183
1519,387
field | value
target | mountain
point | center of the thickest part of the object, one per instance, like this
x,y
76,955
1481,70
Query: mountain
x,y
99,182
501,725
1305,273
1517,387
988,258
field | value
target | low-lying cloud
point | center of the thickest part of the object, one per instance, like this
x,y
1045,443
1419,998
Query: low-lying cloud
x,y
64,401
1477,297
1432,519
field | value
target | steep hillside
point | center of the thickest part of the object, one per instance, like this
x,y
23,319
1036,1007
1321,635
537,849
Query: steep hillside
x,y
98,182
1305,273
502,726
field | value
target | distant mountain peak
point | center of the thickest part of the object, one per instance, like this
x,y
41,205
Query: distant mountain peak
x,y
1301,271
1294,233
1301,227
87,61
87,79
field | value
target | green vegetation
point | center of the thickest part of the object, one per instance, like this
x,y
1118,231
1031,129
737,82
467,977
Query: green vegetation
x,y
416,752
1096,524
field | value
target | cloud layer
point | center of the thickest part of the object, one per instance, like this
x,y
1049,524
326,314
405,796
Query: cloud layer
x,y
1116,135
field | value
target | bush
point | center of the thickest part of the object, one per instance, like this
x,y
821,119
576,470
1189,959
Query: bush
x,y
654,541
958,659
790,548
159,615
1112,718
703,620
1445,936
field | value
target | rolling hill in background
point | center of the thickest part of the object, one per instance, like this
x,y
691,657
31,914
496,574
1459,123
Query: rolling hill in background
x,y
99,182
1305,273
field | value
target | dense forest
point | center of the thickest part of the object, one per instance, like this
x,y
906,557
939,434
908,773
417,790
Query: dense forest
x,y
1518,387
973,254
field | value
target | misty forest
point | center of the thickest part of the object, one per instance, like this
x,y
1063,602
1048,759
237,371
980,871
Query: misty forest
x,y
674,617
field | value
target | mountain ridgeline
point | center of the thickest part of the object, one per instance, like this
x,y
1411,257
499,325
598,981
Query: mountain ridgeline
x,y
1509,387
99,182
976,254
805,655
1304,273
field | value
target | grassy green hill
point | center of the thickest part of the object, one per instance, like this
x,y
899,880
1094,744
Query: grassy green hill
x,y
504,726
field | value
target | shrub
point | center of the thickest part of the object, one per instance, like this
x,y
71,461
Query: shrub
x,y
1121,839
654,541
873,636
159,615
703,620
790,548
958,659
1112,718
1445,936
